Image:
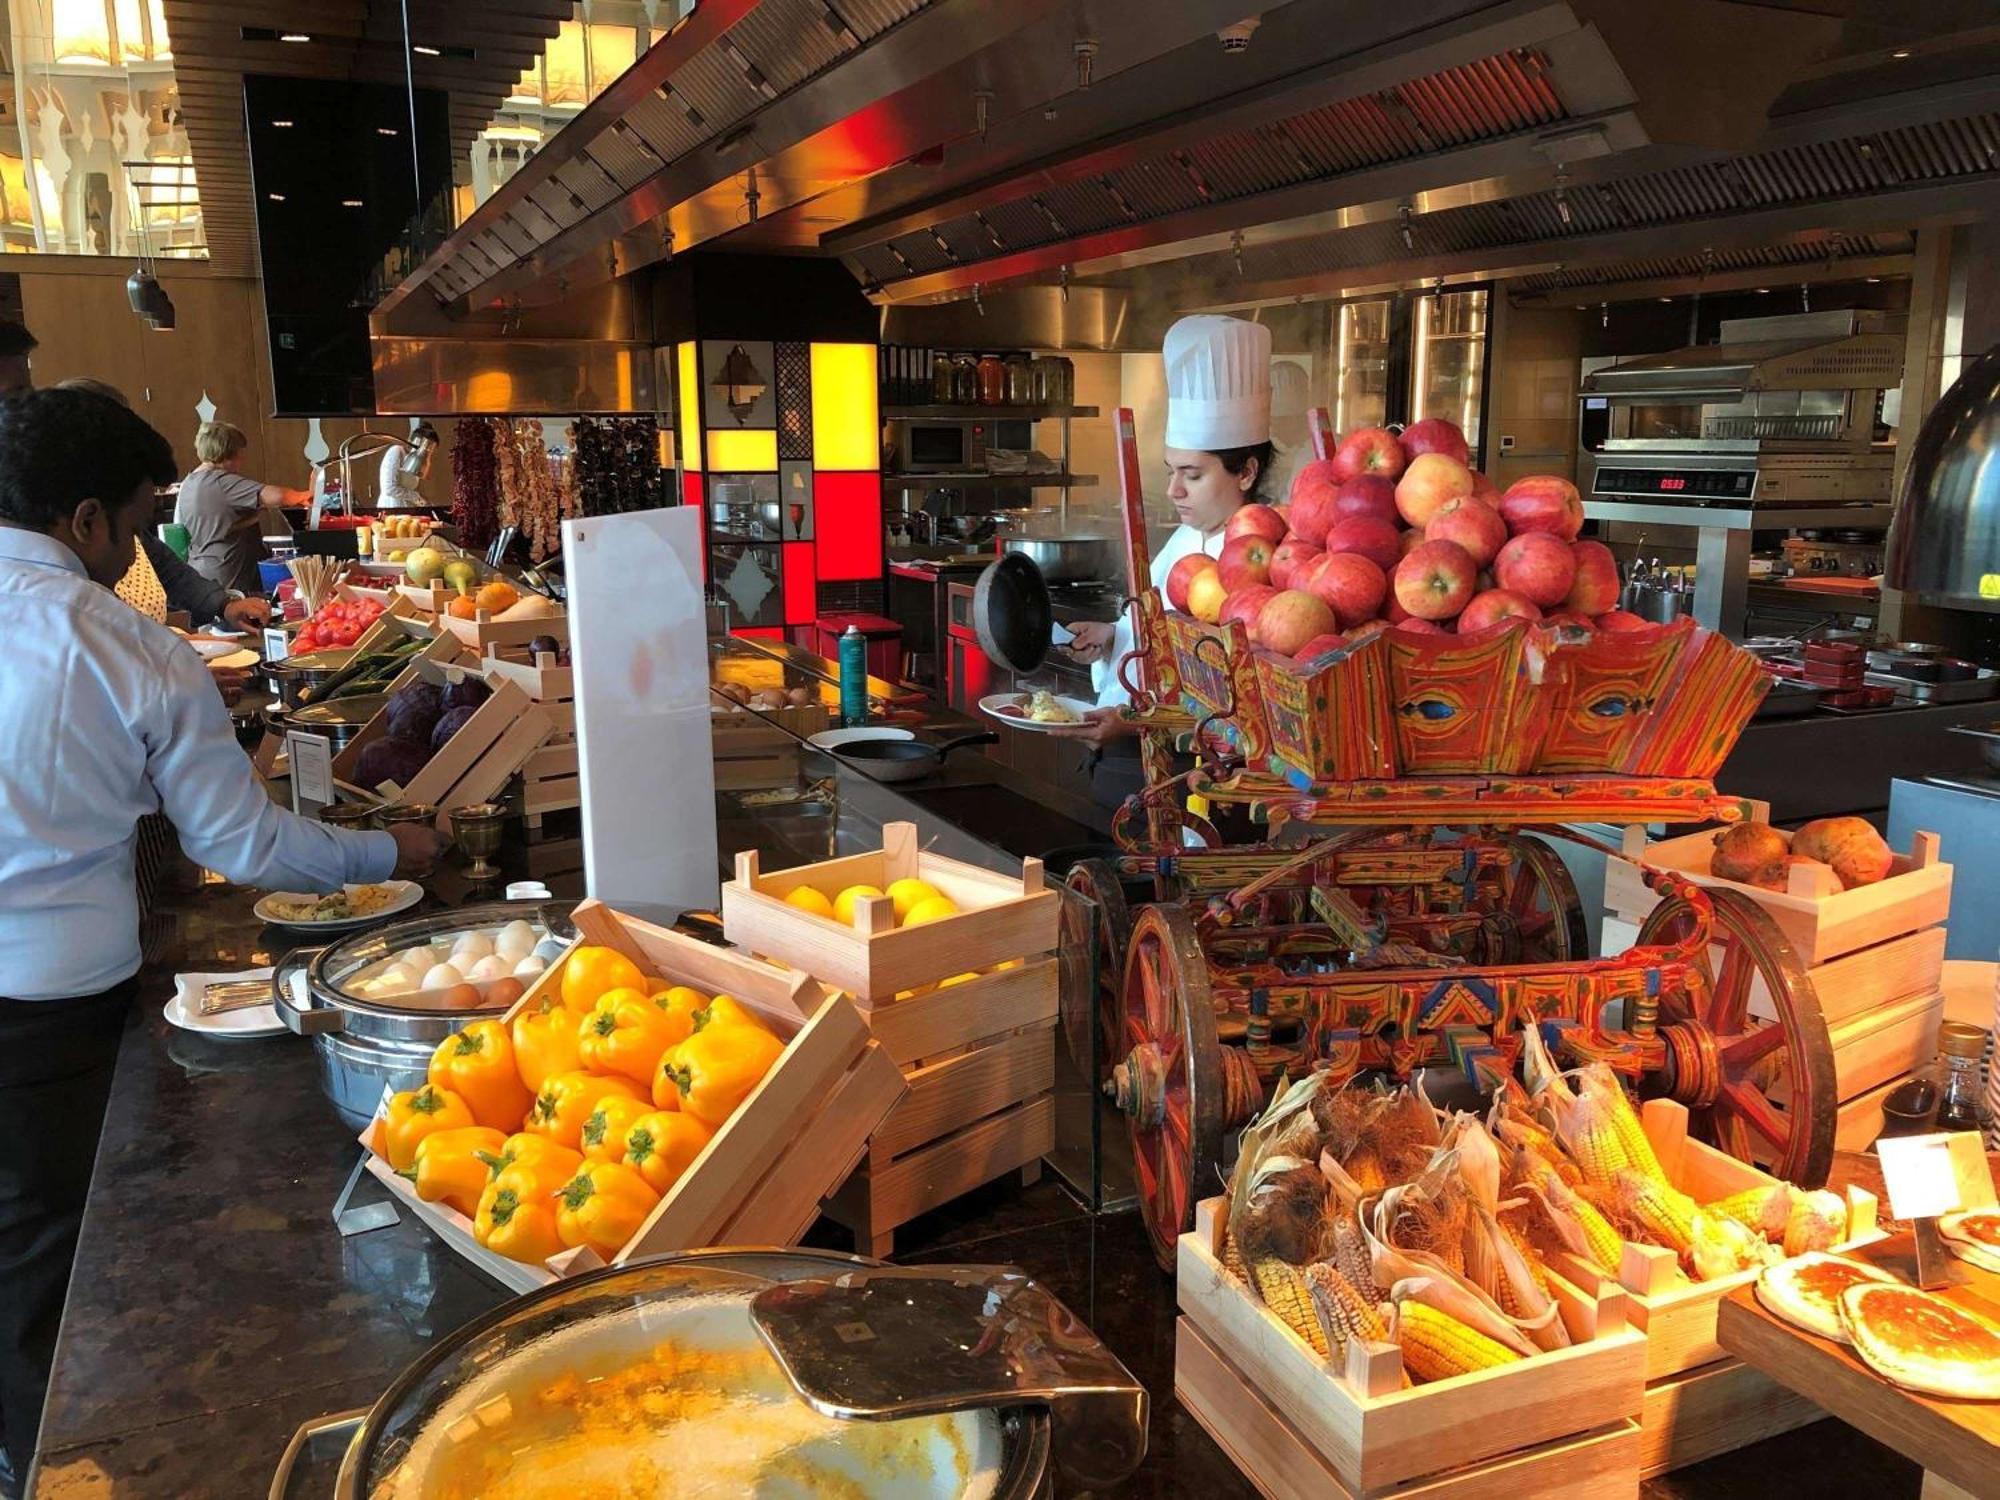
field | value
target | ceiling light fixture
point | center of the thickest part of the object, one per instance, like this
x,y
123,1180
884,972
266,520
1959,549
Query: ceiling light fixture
x,y
275,197
1900,53
386,130
281,124
422,51
293,36
350,203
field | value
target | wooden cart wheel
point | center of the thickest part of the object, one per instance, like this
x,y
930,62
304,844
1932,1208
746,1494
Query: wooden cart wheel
x,y
1168,1081
1104,928
1759,1086
1539,896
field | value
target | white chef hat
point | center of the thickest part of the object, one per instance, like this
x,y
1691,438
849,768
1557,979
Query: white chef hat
x,y
1218,383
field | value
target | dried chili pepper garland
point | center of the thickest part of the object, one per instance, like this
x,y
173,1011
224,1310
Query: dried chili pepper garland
x,y
475,490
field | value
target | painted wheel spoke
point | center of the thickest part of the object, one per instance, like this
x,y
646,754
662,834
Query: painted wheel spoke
x,y
1745,1048
1730,999
1758,1113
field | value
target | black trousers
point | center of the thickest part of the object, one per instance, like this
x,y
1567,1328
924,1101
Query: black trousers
x,y
56,1060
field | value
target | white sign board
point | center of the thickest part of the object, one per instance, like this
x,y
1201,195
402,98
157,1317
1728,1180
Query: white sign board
x,y
1917,1171
312,771
639,652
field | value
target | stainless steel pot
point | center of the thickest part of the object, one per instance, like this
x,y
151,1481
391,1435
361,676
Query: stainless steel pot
x,y
365,1046
1066,559
295,675
338,721
367,1445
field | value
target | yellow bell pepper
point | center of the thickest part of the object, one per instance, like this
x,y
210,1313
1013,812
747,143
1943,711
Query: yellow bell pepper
x,y
556,1162
661,1144
603,1206
589,971
477,1064
566,1101
416,1113
451,1166
603,1134
545,1044
626,1032
714,1070
516,1217
726,1010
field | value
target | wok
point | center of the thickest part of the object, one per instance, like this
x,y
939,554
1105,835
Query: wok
x,y
906,760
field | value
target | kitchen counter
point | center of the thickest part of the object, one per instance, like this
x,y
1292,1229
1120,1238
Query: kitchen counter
x,y
1826,764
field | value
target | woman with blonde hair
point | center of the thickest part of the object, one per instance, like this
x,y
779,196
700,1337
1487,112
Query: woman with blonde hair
x,y
225,510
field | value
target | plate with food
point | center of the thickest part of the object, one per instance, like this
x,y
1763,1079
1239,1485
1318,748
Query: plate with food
x,y
1038,710
343,911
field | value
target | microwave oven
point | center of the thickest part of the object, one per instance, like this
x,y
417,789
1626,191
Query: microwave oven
x,y
941,447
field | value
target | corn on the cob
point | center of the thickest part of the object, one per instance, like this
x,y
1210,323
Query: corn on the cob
x,y
1344,1312
1665,1214
1232,1258
1365,1167
1763,1209
1593,1140
1351,1259
1632,1137
1602,1243
1436,1345
1282,1285
1536,1269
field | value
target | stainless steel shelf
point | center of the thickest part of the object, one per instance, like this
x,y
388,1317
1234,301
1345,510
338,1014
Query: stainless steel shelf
x,y
1836,601
1033,481
976,413
1735,517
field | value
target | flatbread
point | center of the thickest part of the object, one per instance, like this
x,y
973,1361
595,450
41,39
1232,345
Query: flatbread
x,y
1806,1291
1974,1237
1923,1342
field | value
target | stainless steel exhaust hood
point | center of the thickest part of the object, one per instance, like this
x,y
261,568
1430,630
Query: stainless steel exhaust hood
x,y
1944,545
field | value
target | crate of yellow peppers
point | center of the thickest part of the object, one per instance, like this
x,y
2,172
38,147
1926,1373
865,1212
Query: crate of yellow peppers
x,y
650,1093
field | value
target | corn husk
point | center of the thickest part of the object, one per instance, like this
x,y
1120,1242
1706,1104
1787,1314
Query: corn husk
x,y
1722,1247
1288,1113
1287,1212
1441,1287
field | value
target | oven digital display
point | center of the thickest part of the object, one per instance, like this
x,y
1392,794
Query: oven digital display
x,y
1690,484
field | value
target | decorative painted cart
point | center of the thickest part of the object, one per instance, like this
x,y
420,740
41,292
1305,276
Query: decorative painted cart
x,y
1398,909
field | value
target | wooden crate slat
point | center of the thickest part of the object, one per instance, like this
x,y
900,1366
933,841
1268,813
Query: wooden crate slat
x,y
948,1095
1600,1465
483,633
1875,976
927,1178
931,1025
1715,1408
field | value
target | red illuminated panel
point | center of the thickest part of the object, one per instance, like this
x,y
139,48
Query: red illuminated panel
x,y
1673,482
801,584
847,519
693,494
760,633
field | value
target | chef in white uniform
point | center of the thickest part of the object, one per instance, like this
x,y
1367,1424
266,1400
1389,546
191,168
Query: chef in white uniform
x,y
396,489
1217,452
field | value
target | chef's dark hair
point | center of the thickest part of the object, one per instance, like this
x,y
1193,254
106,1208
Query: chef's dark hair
x,y
1236,460
59,448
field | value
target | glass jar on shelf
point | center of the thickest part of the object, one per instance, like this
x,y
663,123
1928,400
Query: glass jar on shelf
x,y
1020,380
1961,1088
965,380
992,371
944,378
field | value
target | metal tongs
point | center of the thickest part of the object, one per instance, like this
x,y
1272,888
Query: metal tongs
x,y
878,1345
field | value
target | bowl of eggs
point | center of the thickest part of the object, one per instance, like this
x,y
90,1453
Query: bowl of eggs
x,y
377,1003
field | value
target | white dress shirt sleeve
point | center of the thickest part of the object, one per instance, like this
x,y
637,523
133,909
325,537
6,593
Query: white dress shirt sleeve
x,y
226,821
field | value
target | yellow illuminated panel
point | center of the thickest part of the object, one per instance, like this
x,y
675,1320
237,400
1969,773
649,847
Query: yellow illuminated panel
x,y
846,428
689,396
732,451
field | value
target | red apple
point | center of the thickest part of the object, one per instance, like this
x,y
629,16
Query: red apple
x,y
1289,619
1409,541
1365,630
1436,435
1621,619
1245,561
1367,495
1595,590
1313,489
1475,527
1369,450
1289,559
1435,580
1414,626
1243,605
1350,585
1206,595
1392,607
1543,502
1431,480
1492,607
1484,490
1537,566
1255,520
1375,540
1319,645
1184,573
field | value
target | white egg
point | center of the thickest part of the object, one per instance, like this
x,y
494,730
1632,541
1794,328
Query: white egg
x,y
530,968
471,948
400,975
488,969
442,977
440,952
516,940
418,958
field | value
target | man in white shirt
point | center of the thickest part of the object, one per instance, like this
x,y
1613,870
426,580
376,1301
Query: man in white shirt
x,y
104,718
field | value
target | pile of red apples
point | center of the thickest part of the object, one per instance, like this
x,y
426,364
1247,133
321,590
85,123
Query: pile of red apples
x,y
1400,533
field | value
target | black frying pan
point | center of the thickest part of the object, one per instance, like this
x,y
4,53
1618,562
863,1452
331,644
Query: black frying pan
x,y
906,760
1012,615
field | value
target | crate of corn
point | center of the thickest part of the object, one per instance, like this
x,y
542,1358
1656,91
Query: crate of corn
x,y
1630,1200
1368,1301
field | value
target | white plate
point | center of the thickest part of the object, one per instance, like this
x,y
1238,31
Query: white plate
x,y
212,648
833,739
992,703
408,894
237,658
184,1011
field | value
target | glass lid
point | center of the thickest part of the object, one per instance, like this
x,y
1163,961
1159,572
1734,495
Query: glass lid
x,y
356,710
475,958
650,1379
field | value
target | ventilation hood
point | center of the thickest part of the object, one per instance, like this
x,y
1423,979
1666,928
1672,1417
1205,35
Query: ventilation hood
x,y
1944,544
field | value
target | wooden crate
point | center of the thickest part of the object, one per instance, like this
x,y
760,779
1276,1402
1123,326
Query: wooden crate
x,y
427,599
1000,917
1821,925
979,1059
1375,1439
1599,1465
549,779
474,764
1715,1408
552,687
484,634
761,1178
